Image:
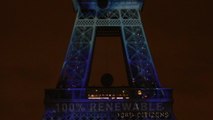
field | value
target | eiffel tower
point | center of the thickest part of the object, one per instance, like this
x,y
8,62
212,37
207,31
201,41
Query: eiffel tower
x,y
142,99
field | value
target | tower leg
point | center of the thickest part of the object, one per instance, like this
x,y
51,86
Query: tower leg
x,y
140,65
77,62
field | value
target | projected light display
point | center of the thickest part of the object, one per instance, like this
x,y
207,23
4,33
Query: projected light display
x,y
142,99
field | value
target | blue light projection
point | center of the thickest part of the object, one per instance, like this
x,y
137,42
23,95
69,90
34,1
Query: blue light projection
x,y
143,99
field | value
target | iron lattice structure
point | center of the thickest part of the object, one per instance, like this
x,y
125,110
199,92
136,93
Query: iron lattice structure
x,y
118,17
78,59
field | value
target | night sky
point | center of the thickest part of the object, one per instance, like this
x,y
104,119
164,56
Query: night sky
x,y
35,35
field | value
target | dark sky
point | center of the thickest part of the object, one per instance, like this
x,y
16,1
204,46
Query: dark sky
x,y
35,35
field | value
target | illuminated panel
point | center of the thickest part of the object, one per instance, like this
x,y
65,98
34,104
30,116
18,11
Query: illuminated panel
x,y
107,93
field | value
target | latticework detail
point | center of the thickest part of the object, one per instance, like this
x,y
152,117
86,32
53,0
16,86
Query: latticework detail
x,y
129,14
139,59
131,22
87,14
77,59
108,14
108,22
85,22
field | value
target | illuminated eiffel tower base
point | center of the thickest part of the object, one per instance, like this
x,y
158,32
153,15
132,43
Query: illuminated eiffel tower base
x,y
143,99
